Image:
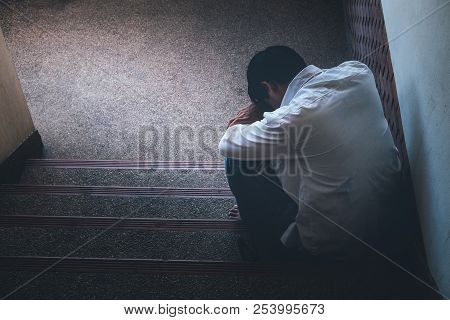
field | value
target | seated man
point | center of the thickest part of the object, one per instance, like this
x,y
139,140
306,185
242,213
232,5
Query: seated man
x,y
311,161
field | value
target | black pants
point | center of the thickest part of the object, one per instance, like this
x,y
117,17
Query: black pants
x,y
263,205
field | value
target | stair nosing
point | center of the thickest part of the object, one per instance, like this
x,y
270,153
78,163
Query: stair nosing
x,y
125,164
154,224
85,264
124,191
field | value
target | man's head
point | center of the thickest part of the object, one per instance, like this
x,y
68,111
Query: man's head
x,y
269,73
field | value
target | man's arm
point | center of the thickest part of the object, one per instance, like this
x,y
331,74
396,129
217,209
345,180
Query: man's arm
x,y
257,140
247,115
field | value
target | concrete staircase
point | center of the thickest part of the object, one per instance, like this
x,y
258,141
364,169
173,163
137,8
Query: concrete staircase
x,y
76,229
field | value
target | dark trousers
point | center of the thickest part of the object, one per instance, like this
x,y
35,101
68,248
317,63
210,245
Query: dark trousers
x,y
263,205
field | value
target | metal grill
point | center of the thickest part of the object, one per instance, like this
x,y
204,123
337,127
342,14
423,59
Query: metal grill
x,y
370,46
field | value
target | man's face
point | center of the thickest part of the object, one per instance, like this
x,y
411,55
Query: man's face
x,y
275,94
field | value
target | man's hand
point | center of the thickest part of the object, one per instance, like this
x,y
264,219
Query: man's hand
x,y
247,115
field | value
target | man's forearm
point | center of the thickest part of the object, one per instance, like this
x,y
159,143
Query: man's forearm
x,y
247,115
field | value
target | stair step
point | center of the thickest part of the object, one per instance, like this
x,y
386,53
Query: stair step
x,y
76,264
186,178
125,164
106,206
151,224
159,286
174,242
118,191
119,243
91,278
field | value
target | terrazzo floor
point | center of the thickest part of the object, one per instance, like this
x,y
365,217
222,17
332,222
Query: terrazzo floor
x,y
153,80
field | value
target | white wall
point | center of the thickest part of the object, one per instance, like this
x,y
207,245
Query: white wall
x,y
15,119
421,61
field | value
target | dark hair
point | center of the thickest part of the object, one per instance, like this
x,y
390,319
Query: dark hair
x,y
277,65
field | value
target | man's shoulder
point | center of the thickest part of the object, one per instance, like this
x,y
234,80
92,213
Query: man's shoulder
x,y
346,70
353,66
350,76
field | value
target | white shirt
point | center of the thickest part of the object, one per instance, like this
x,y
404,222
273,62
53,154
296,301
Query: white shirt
x,y
333,152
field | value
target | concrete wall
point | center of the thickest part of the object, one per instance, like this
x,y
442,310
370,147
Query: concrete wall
x,y
418,31
15,119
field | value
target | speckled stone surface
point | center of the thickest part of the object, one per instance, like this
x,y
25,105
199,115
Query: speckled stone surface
x,y
152,79
151,286
373,282
111,177
203,245
164,207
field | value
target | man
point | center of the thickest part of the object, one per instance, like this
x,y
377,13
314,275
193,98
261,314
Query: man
x,y
311,161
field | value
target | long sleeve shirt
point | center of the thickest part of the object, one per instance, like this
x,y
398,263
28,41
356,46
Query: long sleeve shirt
x,y
333,152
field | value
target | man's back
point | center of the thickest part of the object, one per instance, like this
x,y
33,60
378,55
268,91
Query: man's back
x,y
333,152
349,161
